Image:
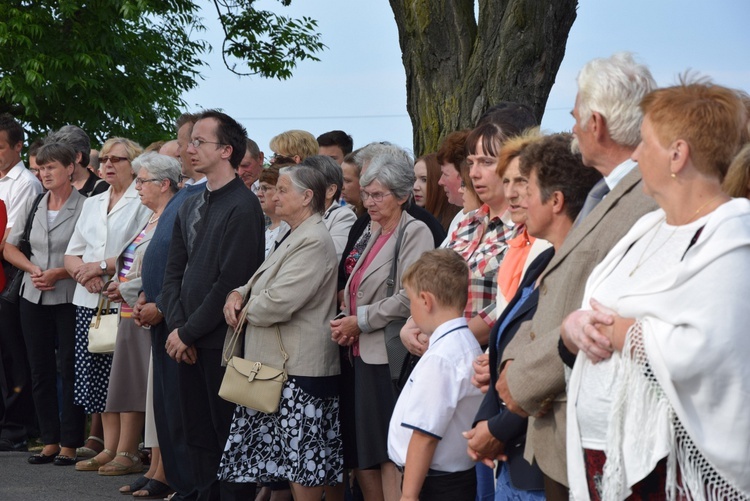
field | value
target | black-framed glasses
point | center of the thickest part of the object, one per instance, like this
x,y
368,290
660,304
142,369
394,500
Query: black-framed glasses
x,y
111,158
377,197
282,159
196,143
139,181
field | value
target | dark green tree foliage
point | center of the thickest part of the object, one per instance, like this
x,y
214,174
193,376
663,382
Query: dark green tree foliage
x,y
120,67
111,67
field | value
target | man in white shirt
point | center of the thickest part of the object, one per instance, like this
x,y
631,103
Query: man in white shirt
x,y
17,183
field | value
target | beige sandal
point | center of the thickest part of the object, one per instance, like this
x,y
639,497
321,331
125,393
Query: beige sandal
x,y
87,452
92,464
113,468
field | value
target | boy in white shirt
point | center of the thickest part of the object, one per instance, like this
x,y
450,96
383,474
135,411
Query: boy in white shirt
x,y
438,402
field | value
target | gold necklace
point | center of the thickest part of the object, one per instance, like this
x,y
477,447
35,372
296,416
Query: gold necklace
x,y
642,260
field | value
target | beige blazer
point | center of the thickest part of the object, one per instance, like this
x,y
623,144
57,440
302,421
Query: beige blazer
x,y
295,289
48,244
374,309
536,377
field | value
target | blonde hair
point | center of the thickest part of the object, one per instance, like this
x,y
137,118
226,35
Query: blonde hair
x,y
132,149
738,176
295,142
514,146
444,274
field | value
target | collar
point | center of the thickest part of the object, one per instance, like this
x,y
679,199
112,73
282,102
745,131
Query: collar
x,y
227,188
619,172
446,328
16,171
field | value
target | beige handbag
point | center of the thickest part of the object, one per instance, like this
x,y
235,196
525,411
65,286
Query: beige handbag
x,y
103,330
252,384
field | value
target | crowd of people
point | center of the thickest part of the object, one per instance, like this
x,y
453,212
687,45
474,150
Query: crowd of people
x,y
519,315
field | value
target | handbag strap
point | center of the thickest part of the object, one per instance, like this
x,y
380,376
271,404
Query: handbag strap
x,y
30,220
102,298
236,336
391,281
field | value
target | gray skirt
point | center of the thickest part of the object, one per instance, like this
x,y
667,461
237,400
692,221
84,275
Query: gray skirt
x,y
128,380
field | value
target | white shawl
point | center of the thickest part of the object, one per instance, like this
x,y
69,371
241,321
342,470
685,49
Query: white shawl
x,y
693,330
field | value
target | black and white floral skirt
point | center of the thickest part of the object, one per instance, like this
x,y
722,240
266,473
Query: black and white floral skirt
x,y
299,443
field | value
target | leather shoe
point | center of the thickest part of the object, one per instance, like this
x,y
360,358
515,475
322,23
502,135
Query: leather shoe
x,y
10,446
41,458
61,460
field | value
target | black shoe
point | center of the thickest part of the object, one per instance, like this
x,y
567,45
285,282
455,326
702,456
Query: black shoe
x,y
41,458
61,460
10,446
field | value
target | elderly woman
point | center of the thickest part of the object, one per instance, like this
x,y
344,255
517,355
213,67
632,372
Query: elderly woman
x,y
386,187
427,192
291,298
123,417
337,219
293,145
107,224
266,191
47,312
656,397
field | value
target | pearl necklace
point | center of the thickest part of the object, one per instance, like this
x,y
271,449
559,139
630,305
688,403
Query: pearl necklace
x,y
643,259
151,220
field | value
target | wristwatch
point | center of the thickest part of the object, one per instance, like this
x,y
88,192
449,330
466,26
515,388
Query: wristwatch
x,y
103,266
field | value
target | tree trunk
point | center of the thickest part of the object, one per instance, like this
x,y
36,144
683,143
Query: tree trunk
x,y
456,68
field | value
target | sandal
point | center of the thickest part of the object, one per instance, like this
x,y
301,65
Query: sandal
x,y
137,485
113,468
88,452
92,464
154,489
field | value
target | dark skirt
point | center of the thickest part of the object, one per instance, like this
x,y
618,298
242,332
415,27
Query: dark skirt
x,y
374,401
92,369
300,442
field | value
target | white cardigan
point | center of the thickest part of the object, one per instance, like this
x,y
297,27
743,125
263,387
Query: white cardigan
x,y
694,320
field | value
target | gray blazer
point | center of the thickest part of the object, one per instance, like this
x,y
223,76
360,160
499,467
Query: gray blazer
x,y
295,289
536,378
48,244
374,309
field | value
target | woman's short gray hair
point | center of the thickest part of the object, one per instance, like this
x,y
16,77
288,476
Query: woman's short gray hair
x,y
160,166
330,169
76,138
393,167
304,177
614,87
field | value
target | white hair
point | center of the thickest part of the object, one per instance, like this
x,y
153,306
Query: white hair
x,y
614,88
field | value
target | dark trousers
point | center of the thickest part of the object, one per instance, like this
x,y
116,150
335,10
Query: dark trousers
x,y
17,417
45,327
207,418
459,486
168,414
554,490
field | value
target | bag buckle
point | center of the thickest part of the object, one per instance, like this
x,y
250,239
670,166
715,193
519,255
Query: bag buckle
x,y
254,371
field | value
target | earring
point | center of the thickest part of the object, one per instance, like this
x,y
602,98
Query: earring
x,y
674,176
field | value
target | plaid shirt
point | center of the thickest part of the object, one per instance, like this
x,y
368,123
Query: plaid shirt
x,y
481,241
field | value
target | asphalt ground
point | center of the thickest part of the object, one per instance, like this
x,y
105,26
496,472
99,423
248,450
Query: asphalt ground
x,y
21,481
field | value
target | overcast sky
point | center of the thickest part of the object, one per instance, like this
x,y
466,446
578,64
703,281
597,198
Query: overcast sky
x,y
359,84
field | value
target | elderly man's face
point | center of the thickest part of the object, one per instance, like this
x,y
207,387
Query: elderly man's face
x,y
583,140
250,169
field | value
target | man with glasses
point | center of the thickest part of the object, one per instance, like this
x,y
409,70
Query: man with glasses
x,y
217,244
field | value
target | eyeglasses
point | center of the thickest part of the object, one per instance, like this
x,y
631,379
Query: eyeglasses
x,y
282,159
265,188
139,181
196,143
377,197
113,159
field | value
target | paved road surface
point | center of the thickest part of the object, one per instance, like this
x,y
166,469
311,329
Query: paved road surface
x,y
21,481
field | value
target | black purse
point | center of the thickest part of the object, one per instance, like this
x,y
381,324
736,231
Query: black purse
x,y
13,275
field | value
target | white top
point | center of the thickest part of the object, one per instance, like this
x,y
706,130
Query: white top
x,y
339,221
439,399
15,187
100,236
694,333
452,228
272,235
657,251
